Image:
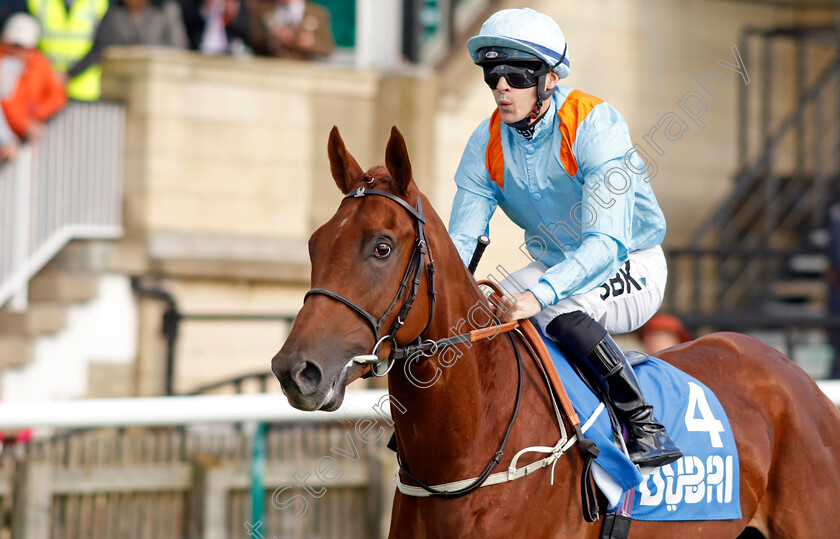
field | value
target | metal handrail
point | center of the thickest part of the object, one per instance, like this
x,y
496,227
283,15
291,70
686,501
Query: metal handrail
x,y
66,186
755,229
264,377
746,176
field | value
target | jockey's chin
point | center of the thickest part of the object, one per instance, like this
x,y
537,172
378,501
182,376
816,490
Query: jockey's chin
x,y
514,104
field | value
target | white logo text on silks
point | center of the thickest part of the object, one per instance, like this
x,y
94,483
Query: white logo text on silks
x,y
693,481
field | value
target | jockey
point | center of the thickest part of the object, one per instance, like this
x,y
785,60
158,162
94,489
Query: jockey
x,y
561,165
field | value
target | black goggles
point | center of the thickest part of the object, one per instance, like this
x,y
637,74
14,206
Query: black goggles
x,y
517,76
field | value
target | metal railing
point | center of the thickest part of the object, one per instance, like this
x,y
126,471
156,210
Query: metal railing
x,y
66,186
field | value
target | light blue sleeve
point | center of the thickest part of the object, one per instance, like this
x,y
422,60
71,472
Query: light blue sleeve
x,y
475,200
587,268
606,209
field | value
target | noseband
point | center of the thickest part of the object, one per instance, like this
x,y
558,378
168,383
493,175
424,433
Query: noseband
x,y
412,273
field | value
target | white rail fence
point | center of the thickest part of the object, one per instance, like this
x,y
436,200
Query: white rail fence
x,y
66,186
183,410
170,482
194,474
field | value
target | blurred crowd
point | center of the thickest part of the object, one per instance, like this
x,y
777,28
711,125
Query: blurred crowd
x,y
661,332
50,50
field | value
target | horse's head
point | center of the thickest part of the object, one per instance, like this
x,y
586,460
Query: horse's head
x,y
360,258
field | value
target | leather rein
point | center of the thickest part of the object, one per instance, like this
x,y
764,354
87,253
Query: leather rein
x,y
428,348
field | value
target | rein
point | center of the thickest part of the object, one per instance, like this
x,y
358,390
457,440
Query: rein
x,y
494,460
413,275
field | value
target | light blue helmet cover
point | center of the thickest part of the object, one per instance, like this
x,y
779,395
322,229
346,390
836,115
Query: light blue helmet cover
x,y
525,30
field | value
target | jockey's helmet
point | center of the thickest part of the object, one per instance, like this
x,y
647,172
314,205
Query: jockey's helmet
x,y
520,35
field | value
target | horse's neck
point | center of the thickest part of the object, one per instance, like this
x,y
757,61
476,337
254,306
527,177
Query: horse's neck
x,y
458,403
451,424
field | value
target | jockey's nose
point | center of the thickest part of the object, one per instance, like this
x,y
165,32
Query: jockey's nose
x,y
503,85
307,376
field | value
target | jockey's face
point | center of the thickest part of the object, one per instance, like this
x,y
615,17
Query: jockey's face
x,y
515,104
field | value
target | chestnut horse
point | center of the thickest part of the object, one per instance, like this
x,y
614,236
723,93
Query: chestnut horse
x,y
367,263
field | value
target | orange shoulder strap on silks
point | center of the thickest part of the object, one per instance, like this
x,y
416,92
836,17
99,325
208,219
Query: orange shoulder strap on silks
x,y
572,112
494,156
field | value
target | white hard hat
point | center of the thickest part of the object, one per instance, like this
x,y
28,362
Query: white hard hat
x,y
22,30
523,30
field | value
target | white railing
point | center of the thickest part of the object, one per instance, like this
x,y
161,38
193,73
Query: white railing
x,y
185,410
67,186
207,409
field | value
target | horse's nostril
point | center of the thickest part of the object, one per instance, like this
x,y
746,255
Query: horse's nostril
x,y
307,376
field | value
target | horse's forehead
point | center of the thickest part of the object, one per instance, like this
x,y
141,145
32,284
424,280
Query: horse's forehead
x,y
378,172
360,216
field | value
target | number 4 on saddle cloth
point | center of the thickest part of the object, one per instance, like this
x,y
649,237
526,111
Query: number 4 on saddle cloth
x,y
702,485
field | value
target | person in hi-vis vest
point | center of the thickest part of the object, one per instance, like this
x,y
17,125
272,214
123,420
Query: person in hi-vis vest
x,y
69,30
561,165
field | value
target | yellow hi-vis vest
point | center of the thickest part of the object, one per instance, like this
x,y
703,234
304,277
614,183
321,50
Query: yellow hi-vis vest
x,y
67,37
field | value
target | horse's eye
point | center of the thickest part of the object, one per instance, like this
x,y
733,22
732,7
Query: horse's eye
x,y
382,250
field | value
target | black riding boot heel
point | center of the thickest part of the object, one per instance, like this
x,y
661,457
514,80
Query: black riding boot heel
x,y
648,444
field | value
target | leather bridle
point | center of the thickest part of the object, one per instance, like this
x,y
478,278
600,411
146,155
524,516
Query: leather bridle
x,y
412,276
428,348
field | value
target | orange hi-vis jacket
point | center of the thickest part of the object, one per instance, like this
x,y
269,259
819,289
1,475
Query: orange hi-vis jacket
x,y
38,94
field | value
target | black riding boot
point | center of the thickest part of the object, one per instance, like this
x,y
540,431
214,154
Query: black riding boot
x,y
647,443
584,339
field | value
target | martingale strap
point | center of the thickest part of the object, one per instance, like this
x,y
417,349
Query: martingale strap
x,y
588,450
532,339
513,473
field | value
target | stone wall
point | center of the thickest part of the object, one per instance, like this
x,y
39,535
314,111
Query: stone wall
x,y
227,175
226,178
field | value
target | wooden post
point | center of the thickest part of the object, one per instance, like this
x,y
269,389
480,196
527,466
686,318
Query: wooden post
x,y
374,500
32,501
211,482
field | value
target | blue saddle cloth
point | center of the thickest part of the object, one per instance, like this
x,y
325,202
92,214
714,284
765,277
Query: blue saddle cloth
x,y
704,483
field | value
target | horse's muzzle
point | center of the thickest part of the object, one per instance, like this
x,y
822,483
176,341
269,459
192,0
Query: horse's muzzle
x,y
301,380
306,377
306,385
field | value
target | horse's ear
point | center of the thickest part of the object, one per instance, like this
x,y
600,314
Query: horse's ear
x,y
396,161
345,170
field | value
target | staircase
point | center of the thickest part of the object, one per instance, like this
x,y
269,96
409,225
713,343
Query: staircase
x,y
66,187
51,294
760,262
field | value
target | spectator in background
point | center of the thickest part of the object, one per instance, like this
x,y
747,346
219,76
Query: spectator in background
x,y
218,26
30,92
72,42
662,331
145,22
293,29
